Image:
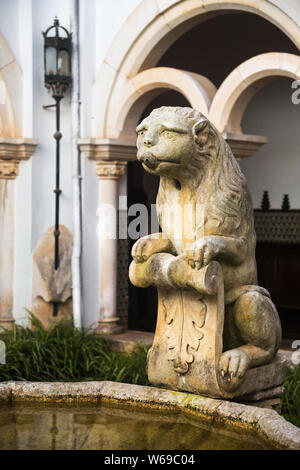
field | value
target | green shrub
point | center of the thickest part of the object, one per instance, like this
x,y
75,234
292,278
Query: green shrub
x,y
61,353
290,402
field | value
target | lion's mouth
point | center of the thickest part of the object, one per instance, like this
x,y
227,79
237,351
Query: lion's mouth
x,y
151,162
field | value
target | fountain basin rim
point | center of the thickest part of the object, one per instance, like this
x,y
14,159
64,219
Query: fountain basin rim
x,y
265,422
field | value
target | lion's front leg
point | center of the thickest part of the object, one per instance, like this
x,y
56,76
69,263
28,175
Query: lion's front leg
x,y
214,247
149,245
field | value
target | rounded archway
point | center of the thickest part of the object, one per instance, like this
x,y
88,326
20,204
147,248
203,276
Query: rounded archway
x,y
151,29
10,92
140,90
244,82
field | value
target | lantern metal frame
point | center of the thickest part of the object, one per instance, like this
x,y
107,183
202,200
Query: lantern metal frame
x,y
57,83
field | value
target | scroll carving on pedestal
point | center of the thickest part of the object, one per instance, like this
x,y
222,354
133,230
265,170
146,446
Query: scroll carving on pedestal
x,y
185,320
217,331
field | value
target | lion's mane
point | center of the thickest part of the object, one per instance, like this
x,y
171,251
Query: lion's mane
x,y
228,201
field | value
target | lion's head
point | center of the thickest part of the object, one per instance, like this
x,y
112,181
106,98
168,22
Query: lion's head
x,y
180,143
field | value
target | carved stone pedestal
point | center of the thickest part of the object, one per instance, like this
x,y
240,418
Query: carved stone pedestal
x,y
269,398
188,340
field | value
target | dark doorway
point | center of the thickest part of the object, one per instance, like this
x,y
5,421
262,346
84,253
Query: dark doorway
x,y
214,48
142,306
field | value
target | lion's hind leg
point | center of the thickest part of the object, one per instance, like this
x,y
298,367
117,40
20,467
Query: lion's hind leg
x,y
257,326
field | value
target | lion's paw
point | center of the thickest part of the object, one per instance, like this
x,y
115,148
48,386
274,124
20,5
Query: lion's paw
x,y
142,250
202,253
233,365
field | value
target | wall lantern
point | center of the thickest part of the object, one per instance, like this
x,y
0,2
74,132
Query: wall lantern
x,y
58,78
57,59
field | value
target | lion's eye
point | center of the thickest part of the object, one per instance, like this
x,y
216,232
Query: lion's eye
x,y
167,133
141,133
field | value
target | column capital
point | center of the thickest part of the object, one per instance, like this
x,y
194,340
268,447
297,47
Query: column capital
x,y
12,152
17,148
244,145
108,149
9,169
110,170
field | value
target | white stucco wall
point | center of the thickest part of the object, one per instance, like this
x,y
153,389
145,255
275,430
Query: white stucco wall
x,y
9,25
276,166
106,18
23,184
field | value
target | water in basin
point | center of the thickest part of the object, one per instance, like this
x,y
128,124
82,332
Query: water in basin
x,y
47,426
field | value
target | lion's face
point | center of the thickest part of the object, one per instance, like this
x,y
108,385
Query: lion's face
x,y
182,145
165,143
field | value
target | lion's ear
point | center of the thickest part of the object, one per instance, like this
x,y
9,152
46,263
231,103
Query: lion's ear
x,y
201,131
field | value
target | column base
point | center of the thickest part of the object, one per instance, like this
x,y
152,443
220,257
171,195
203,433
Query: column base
x,y
109,327
7,323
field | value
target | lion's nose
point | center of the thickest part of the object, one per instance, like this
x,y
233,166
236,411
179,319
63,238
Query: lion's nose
x,y
149,160
148,141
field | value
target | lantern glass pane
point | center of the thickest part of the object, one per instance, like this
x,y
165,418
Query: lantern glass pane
x,y
63,63
50,60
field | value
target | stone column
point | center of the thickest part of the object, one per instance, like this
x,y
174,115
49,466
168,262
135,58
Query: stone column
x,y
12,151
111,157
109,173
8,173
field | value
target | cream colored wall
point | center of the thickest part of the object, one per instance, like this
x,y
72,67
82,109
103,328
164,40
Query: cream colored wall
x,y
276,166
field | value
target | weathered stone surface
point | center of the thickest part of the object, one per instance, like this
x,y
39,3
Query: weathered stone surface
x,y
262,422
50,286
217,331
278,429
265,394
5,391
272,404
270,398
130,341
53,391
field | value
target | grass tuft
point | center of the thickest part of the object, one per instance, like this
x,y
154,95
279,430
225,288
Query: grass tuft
x,y
290,402
64,354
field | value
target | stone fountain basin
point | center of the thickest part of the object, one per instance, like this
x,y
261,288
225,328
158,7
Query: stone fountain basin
x,y
117,406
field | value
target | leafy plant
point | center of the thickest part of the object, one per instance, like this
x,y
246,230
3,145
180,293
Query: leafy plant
x,y
64,353
290,403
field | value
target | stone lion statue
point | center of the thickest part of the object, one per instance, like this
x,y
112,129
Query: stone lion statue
x,y
198,171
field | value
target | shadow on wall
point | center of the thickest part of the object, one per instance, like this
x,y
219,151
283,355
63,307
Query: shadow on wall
x,y
227,41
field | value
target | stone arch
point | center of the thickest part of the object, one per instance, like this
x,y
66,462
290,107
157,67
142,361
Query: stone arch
x,y
10,92
141,89
237,90
151,29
